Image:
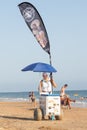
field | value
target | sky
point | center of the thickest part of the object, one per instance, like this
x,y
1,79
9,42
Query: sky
x,y
66,25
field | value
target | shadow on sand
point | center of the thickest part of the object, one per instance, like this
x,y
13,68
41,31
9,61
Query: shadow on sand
x,y
17,118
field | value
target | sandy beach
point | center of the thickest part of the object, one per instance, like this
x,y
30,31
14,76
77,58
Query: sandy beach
x,y
19,116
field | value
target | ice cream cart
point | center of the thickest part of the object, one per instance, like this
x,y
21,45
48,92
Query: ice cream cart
x,y
49,107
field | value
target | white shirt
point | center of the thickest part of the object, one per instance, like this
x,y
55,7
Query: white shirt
x,y
46,86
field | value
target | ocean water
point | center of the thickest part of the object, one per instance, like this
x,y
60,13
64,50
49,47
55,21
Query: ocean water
x,y
79,95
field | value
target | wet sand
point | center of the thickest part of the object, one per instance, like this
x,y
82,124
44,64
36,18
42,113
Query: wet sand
x,y
19,116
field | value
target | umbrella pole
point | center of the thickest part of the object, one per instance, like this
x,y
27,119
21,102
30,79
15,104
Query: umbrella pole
x,y
51,72
50,59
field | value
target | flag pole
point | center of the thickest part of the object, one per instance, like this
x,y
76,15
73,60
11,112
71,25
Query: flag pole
x,y
51,72
50,58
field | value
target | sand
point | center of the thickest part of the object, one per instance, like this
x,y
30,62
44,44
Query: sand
x,y
19,116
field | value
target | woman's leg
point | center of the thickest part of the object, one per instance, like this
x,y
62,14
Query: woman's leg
x,y
69,102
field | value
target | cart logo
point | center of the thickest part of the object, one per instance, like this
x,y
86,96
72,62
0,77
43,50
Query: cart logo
x,y
29,14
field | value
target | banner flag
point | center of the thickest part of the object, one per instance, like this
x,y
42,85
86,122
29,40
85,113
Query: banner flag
x,y
35,23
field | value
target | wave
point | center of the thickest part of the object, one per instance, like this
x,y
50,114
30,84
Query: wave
x,y
78,103
13,99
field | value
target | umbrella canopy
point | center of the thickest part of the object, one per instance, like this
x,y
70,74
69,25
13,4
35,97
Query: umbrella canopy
x,y
40,67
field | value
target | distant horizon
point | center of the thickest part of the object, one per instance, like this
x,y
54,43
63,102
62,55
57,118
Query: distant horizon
x,y
37,91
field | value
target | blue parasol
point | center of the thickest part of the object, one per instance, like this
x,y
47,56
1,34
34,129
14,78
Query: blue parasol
x,y
40,67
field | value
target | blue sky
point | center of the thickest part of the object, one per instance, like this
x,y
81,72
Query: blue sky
x,y
66,24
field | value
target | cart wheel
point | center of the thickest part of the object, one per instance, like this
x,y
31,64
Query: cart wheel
x,y
37,114
59,117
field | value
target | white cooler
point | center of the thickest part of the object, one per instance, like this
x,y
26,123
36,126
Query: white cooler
x,y
50,104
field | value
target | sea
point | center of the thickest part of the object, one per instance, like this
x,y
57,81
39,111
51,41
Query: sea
x,y
79,95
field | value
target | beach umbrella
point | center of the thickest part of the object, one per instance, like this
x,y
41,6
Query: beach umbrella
x,y
40,67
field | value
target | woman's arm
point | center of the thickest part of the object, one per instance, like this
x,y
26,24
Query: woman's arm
x,y
53,83
40,87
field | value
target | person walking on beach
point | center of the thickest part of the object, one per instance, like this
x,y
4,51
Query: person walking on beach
x,y
33,99
45,85
30,93
65,100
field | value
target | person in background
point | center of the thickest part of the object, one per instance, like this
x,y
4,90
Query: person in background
x,y
62,91
65,100
33,99
30,96
45,85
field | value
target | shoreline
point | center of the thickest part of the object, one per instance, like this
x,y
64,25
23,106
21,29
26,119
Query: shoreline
x,y
77,104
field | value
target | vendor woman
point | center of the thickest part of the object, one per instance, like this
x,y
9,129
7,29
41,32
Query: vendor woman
x,y
46,84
